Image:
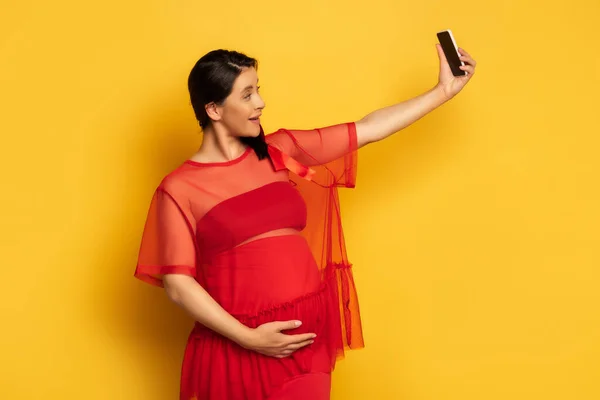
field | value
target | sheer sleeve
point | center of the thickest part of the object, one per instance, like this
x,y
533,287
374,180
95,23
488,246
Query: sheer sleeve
x,y
331,150
167,245
321,161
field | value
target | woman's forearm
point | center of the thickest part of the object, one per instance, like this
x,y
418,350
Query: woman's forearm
x,y
385,121
195,300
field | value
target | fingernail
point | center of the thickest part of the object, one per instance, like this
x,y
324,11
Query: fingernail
x,y
314,336
298,323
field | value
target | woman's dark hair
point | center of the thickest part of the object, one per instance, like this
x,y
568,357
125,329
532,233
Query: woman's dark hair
x,y
211,80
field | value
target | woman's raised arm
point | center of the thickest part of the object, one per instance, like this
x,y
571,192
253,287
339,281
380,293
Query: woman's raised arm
x,y
384,122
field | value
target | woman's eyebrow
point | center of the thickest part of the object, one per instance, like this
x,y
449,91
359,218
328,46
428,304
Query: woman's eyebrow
x,y
249,87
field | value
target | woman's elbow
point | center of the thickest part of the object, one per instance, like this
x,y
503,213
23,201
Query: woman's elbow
x,y
364,132
175,285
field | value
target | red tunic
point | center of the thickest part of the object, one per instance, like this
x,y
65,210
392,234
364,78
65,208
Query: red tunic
x,y
264,238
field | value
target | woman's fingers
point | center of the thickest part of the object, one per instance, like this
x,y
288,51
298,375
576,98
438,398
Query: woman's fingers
x,y
296,342
468,68
278,344
468,60
284,325
299,338
296,346
286,352
470,63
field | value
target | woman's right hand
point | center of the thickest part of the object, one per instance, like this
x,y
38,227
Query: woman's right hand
x,y
267,339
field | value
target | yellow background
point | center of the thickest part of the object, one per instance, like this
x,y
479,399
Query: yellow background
x,y
474,232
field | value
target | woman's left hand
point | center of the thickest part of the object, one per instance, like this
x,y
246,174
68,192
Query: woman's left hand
x,y
449,84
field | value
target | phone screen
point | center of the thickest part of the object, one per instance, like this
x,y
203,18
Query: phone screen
x,y
451,53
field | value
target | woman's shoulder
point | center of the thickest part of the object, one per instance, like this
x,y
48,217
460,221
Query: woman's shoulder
x,y
180,180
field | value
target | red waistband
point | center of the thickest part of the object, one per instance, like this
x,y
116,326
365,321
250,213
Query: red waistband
x,y
312,308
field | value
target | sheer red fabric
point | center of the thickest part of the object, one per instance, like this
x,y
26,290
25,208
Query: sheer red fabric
x,y
265,239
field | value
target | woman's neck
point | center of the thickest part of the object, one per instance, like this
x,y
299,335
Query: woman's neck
x,y
218,145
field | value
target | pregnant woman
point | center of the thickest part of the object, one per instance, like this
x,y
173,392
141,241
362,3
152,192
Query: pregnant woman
x,y
246,237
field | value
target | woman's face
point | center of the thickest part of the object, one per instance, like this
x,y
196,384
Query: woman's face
x,y
241,109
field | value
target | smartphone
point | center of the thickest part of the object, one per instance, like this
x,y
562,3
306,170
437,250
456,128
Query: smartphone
x,y
451,51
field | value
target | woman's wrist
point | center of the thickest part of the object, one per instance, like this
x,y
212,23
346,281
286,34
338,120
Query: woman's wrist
x,y
442,97
244,336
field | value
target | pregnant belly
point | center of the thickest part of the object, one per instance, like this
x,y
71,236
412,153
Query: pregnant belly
x,y
262,274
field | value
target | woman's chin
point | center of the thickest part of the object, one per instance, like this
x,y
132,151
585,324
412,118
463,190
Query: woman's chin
x,y
250,131
255,131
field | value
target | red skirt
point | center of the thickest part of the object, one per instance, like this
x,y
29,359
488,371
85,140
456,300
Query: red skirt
x,y
265,280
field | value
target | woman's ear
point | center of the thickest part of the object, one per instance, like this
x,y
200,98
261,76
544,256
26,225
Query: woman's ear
x,y
213,111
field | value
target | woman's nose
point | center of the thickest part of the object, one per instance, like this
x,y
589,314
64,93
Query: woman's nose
x,y
260,104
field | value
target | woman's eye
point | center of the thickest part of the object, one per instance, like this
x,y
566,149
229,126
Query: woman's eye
x,y
247,97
